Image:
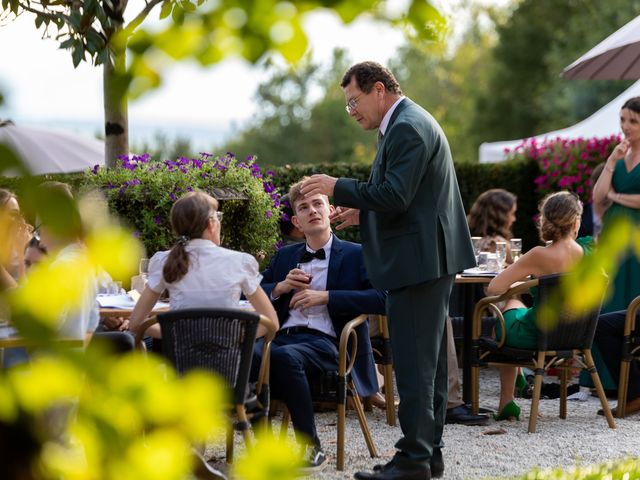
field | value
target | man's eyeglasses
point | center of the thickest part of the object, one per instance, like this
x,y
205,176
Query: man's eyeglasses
x,y
217,216
352,104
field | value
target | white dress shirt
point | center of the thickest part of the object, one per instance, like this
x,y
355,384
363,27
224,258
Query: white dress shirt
x,y
215,279
316,317
387,116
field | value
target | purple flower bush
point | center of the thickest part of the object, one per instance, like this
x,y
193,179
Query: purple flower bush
x,y
142,191
566,164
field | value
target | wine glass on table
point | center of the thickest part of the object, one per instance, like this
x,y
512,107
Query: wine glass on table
x,y
501,254
143,270
477,246
516,248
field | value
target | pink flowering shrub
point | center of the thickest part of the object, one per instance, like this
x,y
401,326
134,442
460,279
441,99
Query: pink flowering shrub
x,y
566,164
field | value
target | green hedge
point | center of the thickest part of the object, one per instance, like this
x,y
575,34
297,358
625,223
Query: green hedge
x,y
473,178
516,176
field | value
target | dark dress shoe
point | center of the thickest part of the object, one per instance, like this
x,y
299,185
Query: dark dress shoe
x,y
391,471
437,463
462,415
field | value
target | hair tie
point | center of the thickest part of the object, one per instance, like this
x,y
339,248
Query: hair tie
x,y
183,240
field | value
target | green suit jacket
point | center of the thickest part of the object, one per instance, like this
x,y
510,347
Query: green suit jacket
x,y
412,222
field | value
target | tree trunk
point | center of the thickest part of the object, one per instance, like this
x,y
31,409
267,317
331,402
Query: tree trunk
x,y
116,120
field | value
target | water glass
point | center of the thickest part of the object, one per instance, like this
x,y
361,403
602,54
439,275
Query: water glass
x,y
483,258
477,245
492,263
516,248
143,269
501,253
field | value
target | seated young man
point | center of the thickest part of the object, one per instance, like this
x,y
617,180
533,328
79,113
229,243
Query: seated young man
x,y
316,288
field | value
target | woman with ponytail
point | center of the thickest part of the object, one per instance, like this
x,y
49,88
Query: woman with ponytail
x,y
198,272
559,222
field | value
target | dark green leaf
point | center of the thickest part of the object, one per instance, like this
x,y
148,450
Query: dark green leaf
x,y
165,11
68,43
78,54
39,21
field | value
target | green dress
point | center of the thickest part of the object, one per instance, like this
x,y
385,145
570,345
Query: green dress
x,y
520,323
626,284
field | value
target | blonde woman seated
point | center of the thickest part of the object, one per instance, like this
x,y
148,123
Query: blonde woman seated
x,y
560,215
491,217
198,272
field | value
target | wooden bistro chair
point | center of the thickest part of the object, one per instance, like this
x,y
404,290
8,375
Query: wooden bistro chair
x,y
220,341
381,345
630,352
334,387
566,344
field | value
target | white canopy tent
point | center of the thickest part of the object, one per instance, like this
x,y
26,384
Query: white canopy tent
x,y
50,151
604,123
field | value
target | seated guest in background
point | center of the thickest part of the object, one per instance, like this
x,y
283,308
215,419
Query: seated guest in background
x,y
457,411
608,338
491,217
14,236
66,247
290,233
560,215
34,253
316,288
198,272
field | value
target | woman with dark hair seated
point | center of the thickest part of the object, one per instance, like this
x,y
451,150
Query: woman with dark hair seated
x,y
491,217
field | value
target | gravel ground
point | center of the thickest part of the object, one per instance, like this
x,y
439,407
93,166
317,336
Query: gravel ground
x,y
583,438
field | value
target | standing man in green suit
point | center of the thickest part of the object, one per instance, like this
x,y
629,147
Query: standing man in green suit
x,y
415,239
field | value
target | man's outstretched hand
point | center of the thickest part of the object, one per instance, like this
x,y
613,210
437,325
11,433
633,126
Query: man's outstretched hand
x,y
345,217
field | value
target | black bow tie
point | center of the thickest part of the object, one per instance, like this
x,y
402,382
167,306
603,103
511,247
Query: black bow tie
x,y
307,256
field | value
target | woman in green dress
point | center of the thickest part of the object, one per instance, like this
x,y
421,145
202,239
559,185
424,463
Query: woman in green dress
x,y
617,194
559,222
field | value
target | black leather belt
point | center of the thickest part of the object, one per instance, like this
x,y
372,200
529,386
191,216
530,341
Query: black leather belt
x,y
301,329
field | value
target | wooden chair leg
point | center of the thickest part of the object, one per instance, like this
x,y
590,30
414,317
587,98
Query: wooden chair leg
x,y
596,381
537,390
244,420
230,442
342,412
475,393
564,376
286,416
388,395
623,389
364,426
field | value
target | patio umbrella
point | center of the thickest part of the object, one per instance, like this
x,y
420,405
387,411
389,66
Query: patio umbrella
x,y
617,57
50,151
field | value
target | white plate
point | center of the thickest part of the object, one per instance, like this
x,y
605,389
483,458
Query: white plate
x,y
476,272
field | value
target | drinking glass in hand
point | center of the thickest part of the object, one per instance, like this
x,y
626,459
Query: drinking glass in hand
x,y
306,268
516,248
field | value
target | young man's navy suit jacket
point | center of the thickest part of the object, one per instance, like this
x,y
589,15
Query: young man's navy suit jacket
x,y
350,294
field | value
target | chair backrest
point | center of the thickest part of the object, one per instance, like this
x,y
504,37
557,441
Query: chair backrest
x,y
217,340
569,330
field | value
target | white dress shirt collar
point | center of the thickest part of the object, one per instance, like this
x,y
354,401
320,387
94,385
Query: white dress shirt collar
x,y
387,116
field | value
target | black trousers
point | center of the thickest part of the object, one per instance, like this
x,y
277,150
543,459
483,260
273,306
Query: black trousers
x,y
608,339
417,326
294,359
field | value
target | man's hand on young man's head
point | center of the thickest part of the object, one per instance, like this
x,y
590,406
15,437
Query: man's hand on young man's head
x,y
319,183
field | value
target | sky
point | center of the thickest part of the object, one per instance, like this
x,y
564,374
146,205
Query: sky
x,y
43,89
204,105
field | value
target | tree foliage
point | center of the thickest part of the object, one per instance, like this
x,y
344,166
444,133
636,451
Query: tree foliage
x,y
525,94
292,128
